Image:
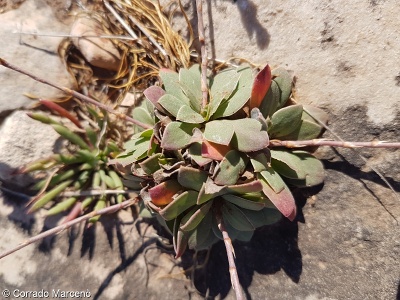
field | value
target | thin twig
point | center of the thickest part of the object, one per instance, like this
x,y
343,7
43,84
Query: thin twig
x,y
62,227
75,94
149,36
396,195
118,17
325,142
116,37
203,49
231,260
94,193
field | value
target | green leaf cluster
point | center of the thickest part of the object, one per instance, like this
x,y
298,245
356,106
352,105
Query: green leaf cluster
x,y
205,164
82,166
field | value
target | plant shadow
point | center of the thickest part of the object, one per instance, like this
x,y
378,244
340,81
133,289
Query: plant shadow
x,y
248,14
249,20
272,249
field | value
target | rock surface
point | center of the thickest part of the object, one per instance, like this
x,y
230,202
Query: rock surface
x,y
35,54
22,141
343,245
99,52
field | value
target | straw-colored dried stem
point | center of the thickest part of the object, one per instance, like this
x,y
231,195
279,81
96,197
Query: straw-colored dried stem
x,y
203,49
325,142
231,260
62,227
149,36
119,18
75,94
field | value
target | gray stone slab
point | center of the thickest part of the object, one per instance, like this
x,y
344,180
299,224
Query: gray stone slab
x,y
35,54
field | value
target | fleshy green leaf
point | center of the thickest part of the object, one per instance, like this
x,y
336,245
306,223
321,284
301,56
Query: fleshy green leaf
x,y
194,216
142,114
219,132
260,162
191,178
179,205
285,120
210,190
240,96
172,104
188,115
273,179
177,135
249,136
232,214
180,239
151,164
136,149
262,217
271,101
306,131
222,87
230,168
246,134
195,152
170,80
284,81
288,164
198,238
313,168
244,203
309,128
248,187
190,82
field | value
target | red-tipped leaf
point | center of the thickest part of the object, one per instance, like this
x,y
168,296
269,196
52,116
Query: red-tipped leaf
x,y
213,150
163,193
61,111
260,87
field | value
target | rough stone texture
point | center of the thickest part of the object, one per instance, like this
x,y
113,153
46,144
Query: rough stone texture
x,y
35,54
111,260
22,141
343,53
101,53
343,244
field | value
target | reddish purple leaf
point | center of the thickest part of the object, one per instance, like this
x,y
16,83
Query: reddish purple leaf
x,y
213,150
162,194
283,201
61,111
153,94
261,85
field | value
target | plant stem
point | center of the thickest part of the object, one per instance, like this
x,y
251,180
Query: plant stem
x,y
324,142
75,94
231,260
62,227
203,50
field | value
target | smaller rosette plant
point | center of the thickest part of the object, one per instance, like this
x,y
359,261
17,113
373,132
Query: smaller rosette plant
x,y
78,179
200,165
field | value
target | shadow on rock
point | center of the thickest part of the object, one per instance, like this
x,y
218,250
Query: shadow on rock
x,y
17,197
248,13
272,248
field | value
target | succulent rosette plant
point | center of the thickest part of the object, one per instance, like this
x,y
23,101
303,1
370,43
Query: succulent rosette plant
x,y
82,165
199,164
